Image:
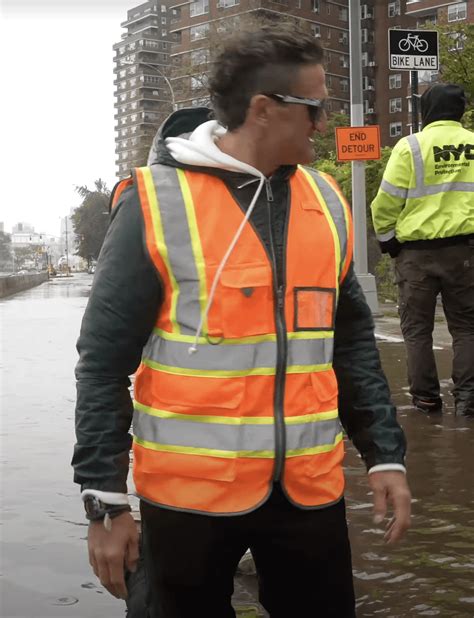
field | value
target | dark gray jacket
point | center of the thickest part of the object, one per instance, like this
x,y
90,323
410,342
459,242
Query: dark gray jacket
x,y
125,300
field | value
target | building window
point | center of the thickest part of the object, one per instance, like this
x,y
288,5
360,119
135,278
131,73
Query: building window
x,y
328,8
163,8
457,12
328,34
364,59
344,61
224,4
394,8
327,56
395,129
315,6
364,35
343,14
395,105
316,30
344,85
429,20
395,81
199,32
366,12
199,56
199,7
328,81
163,21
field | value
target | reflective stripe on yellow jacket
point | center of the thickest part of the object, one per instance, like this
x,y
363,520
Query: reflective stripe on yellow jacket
x,y
209,428
427,189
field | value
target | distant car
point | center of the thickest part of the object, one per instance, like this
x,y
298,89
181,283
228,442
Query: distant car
x,y
22,272
91,269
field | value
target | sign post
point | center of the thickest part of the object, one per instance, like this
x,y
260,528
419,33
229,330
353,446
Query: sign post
x,y
366,280
413,50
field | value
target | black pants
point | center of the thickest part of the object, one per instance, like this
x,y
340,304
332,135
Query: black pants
x,y
302,557
421,276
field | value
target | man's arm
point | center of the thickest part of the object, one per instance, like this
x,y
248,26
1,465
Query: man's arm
x,y
119,318
390,199
365,407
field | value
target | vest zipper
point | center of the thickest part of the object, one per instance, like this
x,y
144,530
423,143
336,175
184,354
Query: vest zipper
x,y
280,373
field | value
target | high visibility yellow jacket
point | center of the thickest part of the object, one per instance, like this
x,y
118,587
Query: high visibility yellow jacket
x,y
427,191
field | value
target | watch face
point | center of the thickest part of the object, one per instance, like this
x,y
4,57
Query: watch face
x,y
93,506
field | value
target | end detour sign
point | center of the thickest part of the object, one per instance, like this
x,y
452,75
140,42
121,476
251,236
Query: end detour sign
x,y
358,143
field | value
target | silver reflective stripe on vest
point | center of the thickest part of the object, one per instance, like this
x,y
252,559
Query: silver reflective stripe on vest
x,y
178,243
336,208
236,436
421,189
237,357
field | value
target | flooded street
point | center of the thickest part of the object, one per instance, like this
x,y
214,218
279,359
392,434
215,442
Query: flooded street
x,y
45,570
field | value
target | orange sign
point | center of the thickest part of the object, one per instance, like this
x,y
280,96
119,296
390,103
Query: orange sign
x,y
358,143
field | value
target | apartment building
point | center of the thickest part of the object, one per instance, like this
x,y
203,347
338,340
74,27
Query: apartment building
x,y
143,95
198,26
392,102
176,40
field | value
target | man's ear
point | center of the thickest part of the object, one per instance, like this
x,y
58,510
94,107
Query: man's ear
x,y
261,110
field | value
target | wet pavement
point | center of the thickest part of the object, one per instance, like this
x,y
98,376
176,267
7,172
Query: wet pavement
x,y
45,570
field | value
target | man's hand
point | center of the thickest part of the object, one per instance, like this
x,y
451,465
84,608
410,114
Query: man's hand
x,y
110,552
391,487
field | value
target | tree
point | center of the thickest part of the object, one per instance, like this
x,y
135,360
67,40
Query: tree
x,y
5,252
325,146
90,220
456,58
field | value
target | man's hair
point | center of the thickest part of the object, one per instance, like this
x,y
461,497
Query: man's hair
x,y
258,62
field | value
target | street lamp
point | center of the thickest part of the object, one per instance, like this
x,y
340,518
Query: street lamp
x,y
152,66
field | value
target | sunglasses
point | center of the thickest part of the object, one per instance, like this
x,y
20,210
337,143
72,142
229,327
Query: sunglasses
x,y
316,107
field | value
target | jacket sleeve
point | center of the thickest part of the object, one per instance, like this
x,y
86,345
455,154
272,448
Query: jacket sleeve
x,y
390,199
365,407
119,317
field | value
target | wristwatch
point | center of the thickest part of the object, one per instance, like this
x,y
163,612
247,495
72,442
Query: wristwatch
x,y
97,510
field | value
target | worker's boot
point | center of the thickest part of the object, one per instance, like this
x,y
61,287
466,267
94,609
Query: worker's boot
x,y
427,405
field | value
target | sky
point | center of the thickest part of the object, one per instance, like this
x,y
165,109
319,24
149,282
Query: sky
x,y
56,105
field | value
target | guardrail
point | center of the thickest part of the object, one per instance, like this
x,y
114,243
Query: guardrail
x,y
17,283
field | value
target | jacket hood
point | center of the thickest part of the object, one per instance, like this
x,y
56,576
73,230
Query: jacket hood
x,y
187,139
442,102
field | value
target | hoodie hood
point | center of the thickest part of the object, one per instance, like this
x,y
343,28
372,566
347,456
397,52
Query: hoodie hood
x,y
187,139
442,102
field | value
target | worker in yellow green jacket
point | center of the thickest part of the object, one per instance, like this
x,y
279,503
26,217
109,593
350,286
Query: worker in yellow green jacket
x,y
423,216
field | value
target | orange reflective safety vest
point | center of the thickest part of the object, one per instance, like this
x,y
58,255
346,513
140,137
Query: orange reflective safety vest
x,y
258,401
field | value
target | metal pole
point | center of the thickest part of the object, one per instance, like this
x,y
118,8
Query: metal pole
x,y
414,102
357,120
358,167
67,253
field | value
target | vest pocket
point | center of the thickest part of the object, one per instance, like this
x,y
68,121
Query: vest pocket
x,y
314,308
245,301
322,391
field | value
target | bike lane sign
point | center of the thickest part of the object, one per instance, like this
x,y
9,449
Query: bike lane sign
x,y
413,50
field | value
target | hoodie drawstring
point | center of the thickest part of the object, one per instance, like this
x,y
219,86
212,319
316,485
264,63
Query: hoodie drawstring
x,y
193,348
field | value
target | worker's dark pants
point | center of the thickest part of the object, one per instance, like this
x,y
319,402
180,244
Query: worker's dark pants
x,y
302,558
422,275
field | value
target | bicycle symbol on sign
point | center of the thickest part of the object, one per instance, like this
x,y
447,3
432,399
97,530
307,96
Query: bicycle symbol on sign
x,y
414,42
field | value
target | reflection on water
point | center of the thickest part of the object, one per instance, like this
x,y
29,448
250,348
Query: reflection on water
x,y
43,530
432,572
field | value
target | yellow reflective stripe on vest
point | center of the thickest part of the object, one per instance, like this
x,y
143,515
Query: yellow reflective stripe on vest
x,y
171,203
421,189
224,437
301,352
335,213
